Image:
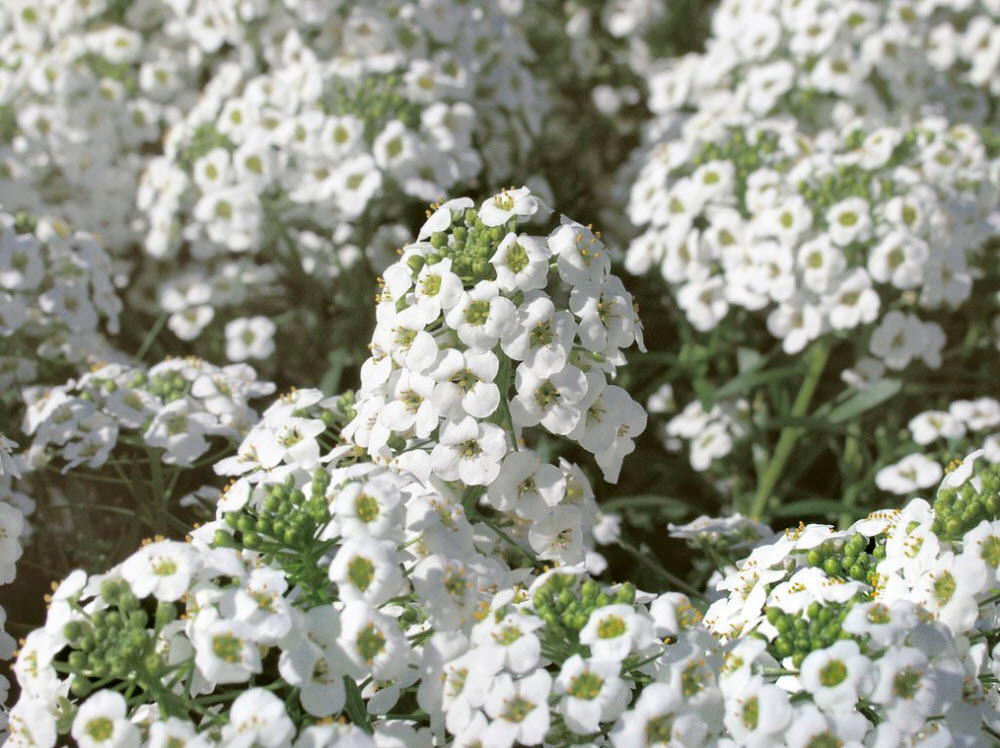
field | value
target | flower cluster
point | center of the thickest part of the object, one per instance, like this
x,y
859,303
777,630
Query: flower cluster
x,y
86,91
175,406
58,300
819,235
381,108
471,351
321,589
359,592
824,61
888,627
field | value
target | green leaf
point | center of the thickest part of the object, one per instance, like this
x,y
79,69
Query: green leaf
x,y
330,383
814,507
865,400
751,379
355,707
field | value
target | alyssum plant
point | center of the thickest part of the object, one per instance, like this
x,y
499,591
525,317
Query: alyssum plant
x,y
427,578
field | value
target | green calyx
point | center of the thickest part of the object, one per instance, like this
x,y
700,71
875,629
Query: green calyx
x,y
376,100
847,559
818,627
169,386
958,510
470,244
284,528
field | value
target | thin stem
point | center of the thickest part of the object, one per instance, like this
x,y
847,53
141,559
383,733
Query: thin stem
x,y
646,560
818,355
853,463
151,336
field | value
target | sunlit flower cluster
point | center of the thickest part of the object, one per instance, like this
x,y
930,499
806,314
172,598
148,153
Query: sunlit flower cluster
x,y
867,230
824,61
476,346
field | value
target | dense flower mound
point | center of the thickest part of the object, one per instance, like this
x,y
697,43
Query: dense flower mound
x,y
475,348
347,130
87,90
879,238
361,592
870,229
437,540
824,61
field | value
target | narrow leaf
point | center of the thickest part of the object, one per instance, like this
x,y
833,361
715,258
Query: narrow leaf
x,y
865,400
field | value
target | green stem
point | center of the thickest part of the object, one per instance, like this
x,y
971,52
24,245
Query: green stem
x,y
853,464
645,558
503,381
817,357
151,336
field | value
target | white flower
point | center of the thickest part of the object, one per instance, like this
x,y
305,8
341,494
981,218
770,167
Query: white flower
x,y
898,339
949,589
821,264
581,256
368,509
406,338
519,710
482,316
662,400
373,642
7,464
521,262
911,689
615,631
465,384
713,443
503,206
849,221
526,485
101,722
559,534
224,650
180,429
366,569
836,676
162,569
910,474
441,219
659,718
757,713
250,338
469,451
853,301
608,321
412,406
977,415
232,217
593,692
510,641
174,732
437,289
542,337
704,302
935,424
553,401
258,718
899,259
